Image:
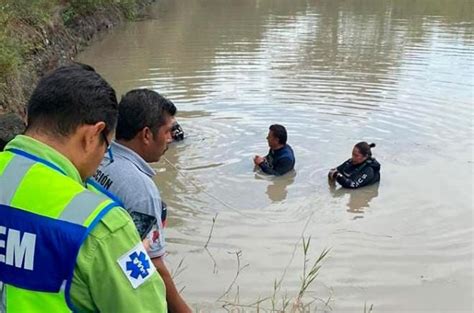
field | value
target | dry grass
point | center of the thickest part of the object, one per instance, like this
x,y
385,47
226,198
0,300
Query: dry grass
x,y
280,301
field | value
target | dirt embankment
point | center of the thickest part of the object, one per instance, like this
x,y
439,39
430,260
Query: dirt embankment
x,y
51,44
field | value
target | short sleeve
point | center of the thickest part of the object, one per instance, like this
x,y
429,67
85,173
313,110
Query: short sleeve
x,y
113,273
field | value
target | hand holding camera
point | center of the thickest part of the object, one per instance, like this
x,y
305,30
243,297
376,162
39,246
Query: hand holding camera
x,y
258,160
332,175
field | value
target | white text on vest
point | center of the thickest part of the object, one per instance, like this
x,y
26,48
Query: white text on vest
x,y
19,252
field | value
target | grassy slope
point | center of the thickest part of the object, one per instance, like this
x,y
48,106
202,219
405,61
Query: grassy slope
x,y
31,29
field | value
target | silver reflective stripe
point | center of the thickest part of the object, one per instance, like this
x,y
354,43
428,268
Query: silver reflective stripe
x,y
63,286
81,207
12,177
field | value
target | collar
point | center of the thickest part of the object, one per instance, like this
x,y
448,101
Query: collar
x,y
45,152
279,149
127,153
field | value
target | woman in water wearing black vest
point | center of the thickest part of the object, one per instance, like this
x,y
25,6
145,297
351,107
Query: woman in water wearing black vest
x,y
360,170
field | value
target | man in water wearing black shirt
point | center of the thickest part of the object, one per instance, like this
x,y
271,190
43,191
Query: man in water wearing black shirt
x,y
280,159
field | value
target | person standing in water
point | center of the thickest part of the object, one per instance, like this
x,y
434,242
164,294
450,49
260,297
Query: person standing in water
x,y
359,171
280,159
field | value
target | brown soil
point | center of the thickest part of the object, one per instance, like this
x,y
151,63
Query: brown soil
x,y
54,45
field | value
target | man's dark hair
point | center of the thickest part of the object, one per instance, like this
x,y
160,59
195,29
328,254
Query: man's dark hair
x,y
279,132
71,96
141,108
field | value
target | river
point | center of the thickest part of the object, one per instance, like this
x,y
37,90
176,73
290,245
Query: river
x,y
398,73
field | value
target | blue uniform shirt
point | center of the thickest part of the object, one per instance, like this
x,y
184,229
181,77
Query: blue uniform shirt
x,y
279,162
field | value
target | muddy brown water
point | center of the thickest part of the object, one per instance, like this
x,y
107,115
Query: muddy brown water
x,y
398,73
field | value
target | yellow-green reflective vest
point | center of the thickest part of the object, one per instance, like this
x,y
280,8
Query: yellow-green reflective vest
x,y
44,219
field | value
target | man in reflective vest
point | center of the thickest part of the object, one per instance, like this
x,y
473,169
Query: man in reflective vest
x,y
63,247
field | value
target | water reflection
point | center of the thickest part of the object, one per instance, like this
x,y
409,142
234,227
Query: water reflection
x,y
358,200
277,188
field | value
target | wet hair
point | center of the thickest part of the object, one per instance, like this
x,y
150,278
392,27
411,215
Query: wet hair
x,y
71,96
141,108
279,132
364,148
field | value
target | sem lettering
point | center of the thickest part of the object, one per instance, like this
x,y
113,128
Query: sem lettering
x,y
19,251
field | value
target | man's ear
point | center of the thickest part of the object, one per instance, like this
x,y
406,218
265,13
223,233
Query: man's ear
x,y
91,135
147,135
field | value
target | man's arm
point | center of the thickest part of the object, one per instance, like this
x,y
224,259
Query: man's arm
x,y
267,169
281,167
153,206
176,303
112,274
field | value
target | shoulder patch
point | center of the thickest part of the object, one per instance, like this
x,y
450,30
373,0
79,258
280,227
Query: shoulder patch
x,y
136,265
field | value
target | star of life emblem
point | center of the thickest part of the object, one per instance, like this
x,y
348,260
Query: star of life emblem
x,y
136,265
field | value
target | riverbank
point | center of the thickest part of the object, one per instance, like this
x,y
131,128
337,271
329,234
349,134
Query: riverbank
x,y
38,36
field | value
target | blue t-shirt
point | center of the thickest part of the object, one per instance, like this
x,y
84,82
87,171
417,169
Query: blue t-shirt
x,y
129,177
279,162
